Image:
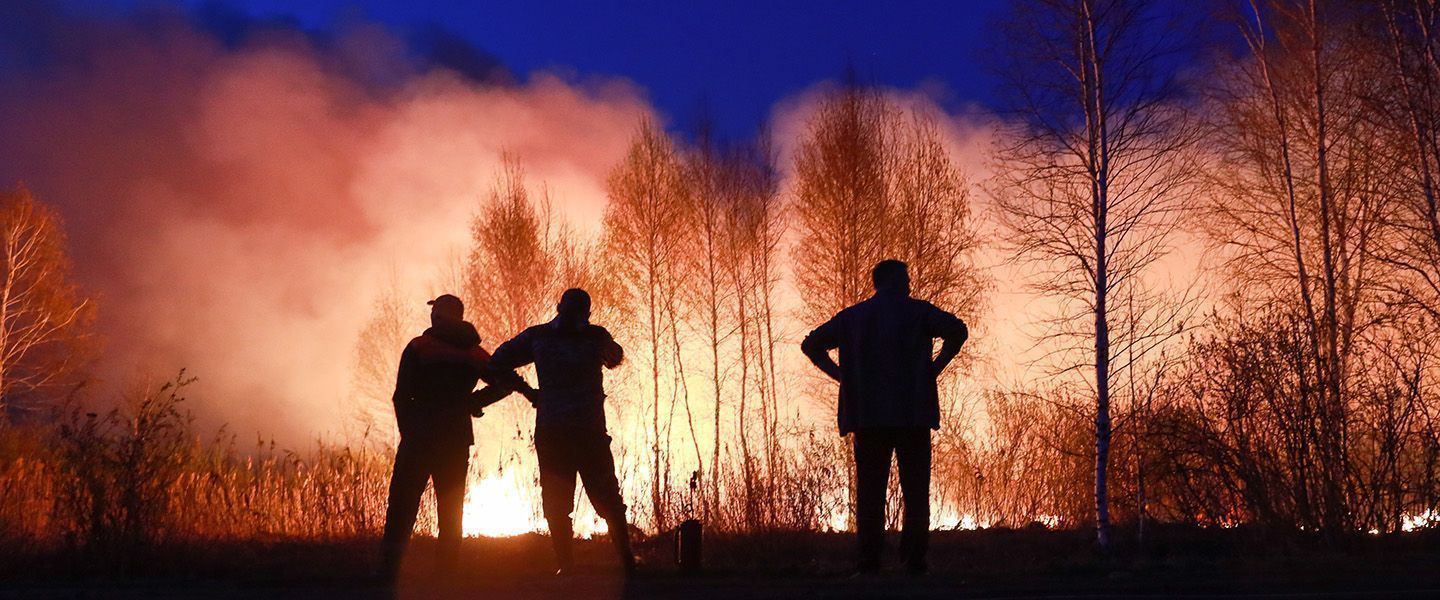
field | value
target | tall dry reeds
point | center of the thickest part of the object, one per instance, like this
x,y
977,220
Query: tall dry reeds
x,y
111,484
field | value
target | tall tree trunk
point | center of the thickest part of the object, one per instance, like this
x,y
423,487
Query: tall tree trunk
x,y
1098,155
715,380
746,466
1332,401
656,498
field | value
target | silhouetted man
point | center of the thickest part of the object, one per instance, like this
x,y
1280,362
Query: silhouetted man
x,y
888,399
434,401
570,437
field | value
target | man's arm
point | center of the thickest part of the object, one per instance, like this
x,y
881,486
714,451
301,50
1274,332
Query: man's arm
x,y
482,398
499,384
402,399
432,350
404,387
952,331
819,343
611,354
511,355
506,378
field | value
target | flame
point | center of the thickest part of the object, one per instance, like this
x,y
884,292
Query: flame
x,y
1427,519
947,518
944,518
497,506
503,505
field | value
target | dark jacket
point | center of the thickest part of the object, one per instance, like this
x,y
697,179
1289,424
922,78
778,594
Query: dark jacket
x,y
438,370
886,344
568,363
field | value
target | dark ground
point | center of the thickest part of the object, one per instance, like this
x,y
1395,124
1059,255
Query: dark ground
x,y
980,564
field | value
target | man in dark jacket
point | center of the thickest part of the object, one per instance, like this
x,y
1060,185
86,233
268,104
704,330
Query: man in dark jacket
x,y
570,437
434,401
888,399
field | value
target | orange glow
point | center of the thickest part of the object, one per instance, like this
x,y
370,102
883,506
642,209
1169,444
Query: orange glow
x,y
504,504
496,506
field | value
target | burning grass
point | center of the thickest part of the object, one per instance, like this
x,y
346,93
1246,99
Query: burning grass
x,y
136,492
116,487
110,485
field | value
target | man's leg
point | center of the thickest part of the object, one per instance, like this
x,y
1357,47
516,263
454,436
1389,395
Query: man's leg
x,y
407,483
912,455
557,492
451,468
872,471
597,472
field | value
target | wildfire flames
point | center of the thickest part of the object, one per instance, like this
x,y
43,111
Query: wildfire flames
x,y
271,212
495,506
505,504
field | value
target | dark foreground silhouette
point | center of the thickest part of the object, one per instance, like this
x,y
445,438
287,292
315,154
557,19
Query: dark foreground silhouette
x,y
1195,563
570,436
889,401
434,402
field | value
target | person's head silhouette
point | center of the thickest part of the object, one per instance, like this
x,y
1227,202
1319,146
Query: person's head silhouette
x,y
891,277
574,307
446,309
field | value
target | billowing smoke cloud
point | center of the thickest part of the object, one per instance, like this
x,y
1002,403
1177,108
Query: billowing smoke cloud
x,y
237,197
238,192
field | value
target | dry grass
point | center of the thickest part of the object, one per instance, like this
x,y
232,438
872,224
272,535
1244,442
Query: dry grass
x,y
112,485
115,487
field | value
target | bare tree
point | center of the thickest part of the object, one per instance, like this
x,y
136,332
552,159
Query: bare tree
x,y
753,225
841,175
1092,177
644,245
44,317
1300,210
377,352
928,223
1410,111
521,257
712,198
873,180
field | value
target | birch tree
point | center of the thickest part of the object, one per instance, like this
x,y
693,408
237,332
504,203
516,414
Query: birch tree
x,y
1092,175
712,198
1409,110
644,246
522,255
1300,213
754,225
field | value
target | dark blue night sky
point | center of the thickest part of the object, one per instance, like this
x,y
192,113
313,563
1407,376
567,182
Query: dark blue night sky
x,y
731,60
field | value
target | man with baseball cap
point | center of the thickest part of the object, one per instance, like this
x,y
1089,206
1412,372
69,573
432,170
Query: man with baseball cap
x,y
434,400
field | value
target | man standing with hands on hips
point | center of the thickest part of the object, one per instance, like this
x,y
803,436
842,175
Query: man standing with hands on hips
x,y
890,402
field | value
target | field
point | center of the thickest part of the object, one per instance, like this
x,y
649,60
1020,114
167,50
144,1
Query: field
x,y
988,563
132,505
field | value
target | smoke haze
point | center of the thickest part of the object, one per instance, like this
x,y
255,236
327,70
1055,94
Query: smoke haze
x,y
235,204
237,193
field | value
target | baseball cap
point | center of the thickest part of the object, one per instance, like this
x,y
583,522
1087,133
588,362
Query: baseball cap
x,y
449,306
